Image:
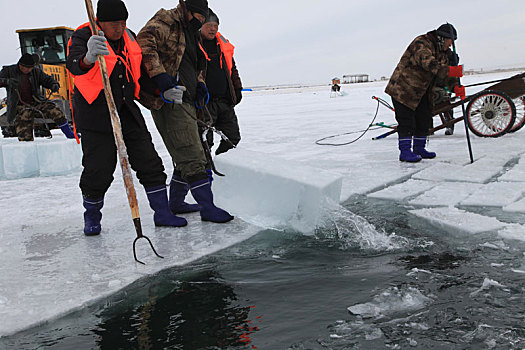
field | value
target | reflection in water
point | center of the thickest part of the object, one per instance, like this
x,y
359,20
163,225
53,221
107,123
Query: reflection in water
x,y
198,314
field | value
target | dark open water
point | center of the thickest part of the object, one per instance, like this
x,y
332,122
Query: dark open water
x,y
408,285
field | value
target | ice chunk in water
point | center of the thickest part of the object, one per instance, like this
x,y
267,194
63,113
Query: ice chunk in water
x,y
273,192
392,300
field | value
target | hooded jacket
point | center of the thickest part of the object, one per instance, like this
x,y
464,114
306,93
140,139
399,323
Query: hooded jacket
x,y
422,64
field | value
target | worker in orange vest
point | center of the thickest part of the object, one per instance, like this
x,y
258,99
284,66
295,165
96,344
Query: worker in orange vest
x,y
123,58
223,82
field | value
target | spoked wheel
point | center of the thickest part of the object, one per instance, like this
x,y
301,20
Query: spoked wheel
x,y
491,113
520,113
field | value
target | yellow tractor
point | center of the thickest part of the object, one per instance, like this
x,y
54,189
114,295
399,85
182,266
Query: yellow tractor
x,y
50,44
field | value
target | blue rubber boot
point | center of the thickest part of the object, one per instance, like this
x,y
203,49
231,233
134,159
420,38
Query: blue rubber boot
x,y
178,191
158,201
406,155
419,148
92,215
201,191
66,129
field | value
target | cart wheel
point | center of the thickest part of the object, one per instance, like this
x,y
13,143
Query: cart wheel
x,y
490,113
520,113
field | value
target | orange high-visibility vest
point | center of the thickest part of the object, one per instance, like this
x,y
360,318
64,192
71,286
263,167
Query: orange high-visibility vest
x,y
90,84
226,51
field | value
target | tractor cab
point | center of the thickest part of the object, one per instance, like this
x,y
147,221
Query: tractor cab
x,y
48,43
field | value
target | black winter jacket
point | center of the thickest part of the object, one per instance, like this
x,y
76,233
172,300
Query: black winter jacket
x,y
10,78
95,116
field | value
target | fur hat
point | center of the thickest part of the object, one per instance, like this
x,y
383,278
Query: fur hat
x,y
111,11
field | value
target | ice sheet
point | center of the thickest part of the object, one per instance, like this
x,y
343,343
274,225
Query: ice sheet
x,y
516,207
445,194
495,194
514,231
54,269
404,190
455,220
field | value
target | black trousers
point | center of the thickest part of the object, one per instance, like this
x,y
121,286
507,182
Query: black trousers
x,y
100,157
225,120
413,123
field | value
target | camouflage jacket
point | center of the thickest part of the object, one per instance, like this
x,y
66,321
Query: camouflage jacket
x,y
420,67
163,42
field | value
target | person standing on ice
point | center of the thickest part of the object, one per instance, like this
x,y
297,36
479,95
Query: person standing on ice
x,y
123,58
174,60
223,82
25,101
424,62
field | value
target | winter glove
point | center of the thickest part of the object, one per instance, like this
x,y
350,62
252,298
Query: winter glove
x,y
174,95
96,46
164,81
460,91
238,95
55,87
201,95
455,71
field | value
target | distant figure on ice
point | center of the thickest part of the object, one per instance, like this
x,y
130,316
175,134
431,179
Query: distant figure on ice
x,y
123,56
424,61
223,82
173,58
24,98
335,88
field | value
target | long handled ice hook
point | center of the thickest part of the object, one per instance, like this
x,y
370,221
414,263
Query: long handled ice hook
x,y
119,140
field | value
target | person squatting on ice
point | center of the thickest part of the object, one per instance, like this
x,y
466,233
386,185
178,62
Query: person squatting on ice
x,y
425,61
123,58
175,62
25,101
223,82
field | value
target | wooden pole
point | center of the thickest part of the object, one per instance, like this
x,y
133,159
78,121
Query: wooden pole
x,y
119,139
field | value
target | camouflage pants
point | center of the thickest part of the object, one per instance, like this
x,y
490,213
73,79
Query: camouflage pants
x,y
181,137
26,114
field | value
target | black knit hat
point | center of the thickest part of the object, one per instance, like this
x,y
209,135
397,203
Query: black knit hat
x,y
447,30
198,6
27,60
111,11
212,17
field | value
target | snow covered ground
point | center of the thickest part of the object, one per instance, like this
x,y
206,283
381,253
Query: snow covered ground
x,y
49,268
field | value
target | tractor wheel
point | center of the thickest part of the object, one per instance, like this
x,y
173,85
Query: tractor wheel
x,y
490,113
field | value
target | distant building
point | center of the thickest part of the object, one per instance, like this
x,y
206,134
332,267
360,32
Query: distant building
x,y
355,78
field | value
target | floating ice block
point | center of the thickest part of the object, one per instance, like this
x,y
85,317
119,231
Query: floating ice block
x,y
271,191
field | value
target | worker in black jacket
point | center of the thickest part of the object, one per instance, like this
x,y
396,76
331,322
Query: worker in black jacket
x,y
223,82
123,59
24,98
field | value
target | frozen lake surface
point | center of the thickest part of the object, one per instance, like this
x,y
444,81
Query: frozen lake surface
x,y
405,240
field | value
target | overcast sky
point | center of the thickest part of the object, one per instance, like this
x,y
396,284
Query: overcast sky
x,y
302,41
